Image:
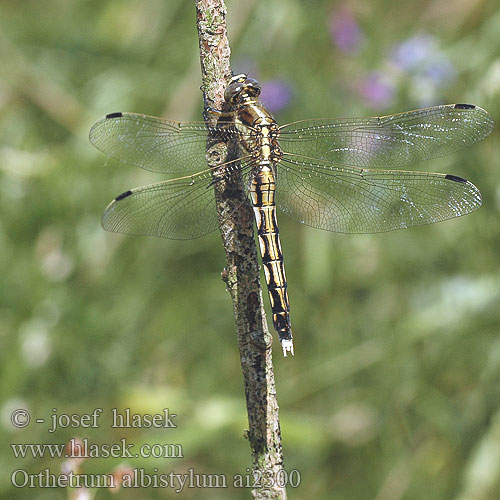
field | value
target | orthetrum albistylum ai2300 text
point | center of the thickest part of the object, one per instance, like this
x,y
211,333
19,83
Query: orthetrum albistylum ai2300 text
x,y
322,172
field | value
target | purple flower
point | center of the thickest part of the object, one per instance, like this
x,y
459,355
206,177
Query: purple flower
x,y
441,72
344,29
413,52
276,95
377,91
421,57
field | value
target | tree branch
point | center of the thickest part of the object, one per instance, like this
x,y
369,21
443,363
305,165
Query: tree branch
x,y
242,273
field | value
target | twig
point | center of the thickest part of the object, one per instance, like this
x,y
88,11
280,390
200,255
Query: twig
x,y
242,274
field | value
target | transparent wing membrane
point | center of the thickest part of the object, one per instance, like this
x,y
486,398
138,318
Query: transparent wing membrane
x,y
388,141
354,200
325,178
153,143
176,209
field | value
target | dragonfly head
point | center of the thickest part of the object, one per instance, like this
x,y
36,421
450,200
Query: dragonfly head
x,y
241,89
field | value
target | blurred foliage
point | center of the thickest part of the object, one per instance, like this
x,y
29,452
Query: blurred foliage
x,y
394,390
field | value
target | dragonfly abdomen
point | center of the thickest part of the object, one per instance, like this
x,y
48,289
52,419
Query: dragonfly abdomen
x,y
262,194
331,173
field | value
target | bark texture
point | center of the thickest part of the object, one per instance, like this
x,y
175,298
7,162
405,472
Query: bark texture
x,y
242,273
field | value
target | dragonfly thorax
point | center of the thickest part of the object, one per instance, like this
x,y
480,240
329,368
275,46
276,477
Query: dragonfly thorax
x,y
259,133
345,175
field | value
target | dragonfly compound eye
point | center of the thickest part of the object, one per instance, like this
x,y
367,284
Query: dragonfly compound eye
x,y
241,88
252,87
327,173
233,92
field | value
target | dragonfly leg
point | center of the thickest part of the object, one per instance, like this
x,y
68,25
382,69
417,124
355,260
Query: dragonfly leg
x,y
218,113
214,180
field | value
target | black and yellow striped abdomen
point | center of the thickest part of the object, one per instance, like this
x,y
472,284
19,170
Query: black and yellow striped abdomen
x,y
262,193
259,138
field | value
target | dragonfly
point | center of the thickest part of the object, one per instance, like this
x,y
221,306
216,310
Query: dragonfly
x,y
342,175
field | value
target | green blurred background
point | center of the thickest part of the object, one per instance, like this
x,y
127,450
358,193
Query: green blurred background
x,y
394,390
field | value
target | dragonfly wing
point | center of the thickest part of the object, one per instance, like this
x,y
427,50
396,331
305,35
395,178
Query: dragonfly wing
x,y
176,209
394,140
153,143
354,200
